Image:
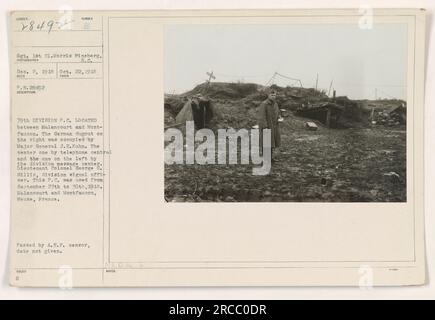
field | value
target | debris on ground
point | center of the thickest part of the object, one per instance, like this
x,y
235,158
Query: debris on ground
x,y
311,126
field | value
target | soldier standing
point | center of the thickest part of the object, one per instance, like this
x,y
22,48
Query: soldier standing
x,y
268,116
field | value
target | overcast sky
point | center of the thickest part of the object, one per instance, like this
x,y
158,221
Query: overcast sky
x,y
358,61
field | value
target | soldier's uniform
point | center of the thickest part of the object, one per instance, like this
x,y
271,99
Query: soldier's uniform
x,y
268,116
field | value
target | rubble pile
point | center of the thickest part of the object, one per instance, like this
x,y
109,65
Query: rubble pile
x,y
390,116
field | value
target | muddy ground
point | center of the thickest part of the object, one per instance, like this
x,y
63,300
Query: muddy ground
x,y
328,165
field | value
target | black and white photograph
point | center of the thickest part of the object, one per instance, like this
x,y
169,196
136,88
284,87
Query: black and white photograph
x,y
285,112
296,153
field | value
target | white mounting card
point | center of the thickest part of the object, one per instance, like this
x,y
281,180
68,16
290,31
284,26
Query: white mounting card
x,y
217,148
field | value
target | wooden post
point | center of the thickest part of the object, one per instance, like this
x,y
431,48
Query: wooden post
x,y
328,117
330,86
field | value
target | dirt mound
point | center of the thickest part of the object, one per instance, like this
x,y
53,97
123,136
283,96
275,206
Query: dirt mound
x,y
174,104
223,90
297,93
237,103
